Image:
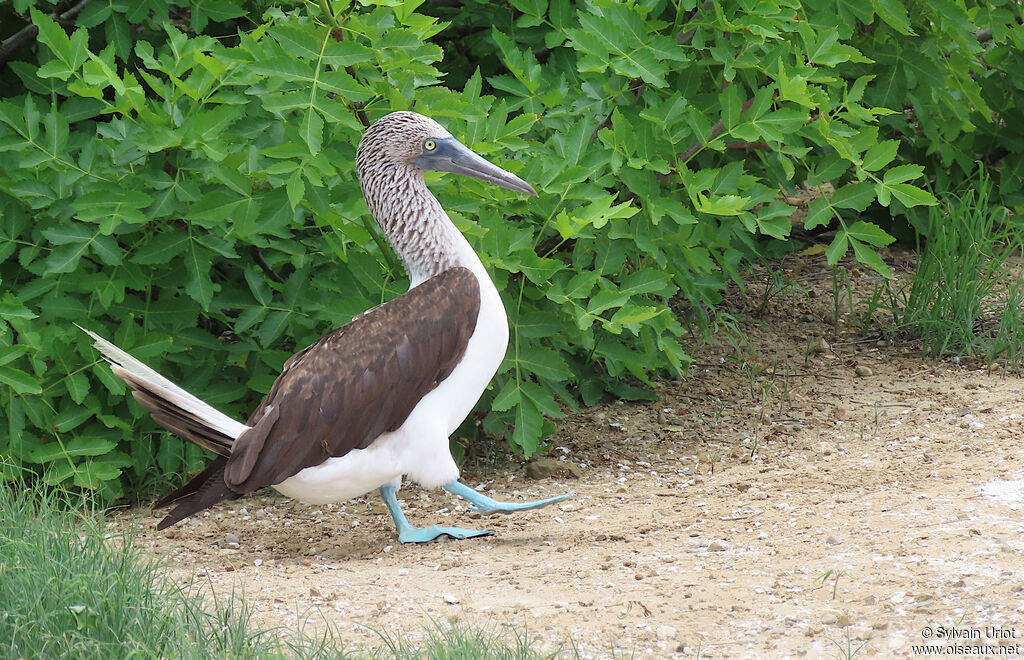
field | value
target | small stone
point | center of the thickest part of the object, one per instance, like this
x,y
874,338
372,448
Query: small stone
x,y
665,632
818,345
841,414
826,448
717,546
545,468
831,540
230,538
450,599
863,371
880,625
829,619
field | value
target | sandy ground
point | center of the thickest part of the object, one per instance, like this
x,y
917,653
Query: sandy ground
x,y
807,494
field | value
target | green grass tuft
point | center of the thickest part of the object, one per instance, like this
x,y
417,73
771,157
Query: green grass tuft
x,y
965,298
71,590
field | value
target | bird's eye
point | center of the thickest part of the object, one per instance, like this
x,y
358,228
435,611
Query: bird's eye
x,y
429,145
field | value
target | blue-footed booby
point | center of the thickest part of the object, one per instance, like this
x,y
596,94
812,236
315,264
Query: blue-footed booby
x,y
377,399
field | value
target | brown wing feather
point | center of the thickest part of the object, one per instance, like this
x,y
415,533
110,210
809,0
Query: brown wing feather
x,y
357,382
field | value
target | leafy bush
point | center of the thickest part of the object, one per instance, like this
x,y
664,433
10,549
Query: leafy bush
x,y
183,183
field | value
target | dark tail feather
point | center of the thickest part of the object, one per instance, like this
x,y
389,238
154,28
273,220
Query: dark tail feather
x,y
203,491
177,420
172,407
184,415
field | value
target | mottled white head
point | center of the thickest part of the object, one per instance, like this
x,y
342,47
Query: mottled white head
x,y
392,157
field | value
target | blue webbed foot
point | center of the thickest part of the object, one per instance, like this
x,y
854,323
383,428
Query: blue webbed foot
x,y
409,534
485,504
424,534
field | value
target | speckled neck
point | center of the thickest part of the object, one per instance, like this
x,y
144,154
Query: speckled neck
x,y
419,230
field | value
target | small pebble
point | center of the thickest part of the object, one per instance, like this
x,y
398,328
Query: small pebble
x,y
450,599
863,371
818,345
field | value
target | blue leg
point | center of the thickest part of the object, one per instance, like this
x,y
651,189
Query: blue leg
x,y
484,504
409,534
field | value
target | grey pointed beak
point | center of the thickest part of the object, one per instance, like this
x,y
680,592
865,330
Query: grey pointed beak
x,y
450,155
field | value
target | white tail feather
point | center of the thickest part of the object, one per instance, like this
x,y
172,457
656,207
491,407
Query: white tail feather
x,y
122,360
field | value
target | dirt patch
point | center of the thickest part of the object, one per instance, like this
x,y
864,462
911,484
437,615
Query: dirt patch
x,y
800,495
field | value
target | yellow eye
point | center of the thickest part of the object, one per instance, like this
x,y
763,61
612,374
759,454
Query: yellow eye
x,y
429,145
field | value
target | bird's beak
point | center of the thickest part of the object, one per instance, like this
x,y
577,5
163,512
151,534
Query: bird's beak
x,y
450,155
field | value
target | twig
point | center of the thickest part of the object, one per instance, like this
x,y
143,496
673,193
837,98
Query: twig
x,y
715,130
760,146
608,120
29,32
257,256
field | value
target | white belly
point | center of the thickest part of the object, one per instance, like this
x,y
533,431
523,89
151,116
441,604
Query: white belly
x,y
419,448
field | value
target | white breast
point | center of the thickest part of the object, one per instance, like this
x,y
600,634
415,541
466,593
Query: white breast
x,y
419,448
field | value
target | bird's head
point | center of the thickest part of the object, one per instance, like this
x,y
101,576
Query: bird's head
x,y
410,141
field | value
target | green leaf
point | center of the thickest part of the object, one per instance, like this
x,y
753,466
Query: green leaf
x,y
880,155
911,196
199,286
856,196
543,362
726,205
869,257
93,474
19,381
312,131
12,308
837,248
819,213
869,232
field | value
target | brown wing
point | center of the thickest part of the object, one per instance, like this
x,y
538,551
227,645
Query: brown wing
x,y
357,382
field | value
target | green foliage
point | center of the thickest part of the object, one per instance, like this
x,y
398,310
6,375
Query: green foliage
x,y
951,70
185,186
965,297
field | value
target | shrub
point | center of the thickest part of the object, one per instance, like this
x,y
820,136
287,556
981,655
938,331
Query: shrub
x,y
181,180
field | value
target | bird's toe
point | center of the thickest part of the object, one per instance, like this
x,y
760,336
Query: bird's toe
x,y
426,534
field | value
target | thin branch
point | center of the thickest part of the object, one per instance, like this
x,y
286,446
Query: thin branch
x,y
637,91
29,32
257,256
715,130
759,146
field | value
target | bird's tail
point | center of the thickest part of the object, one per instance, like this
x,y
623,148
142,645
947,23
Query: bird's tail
x,y
172,407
